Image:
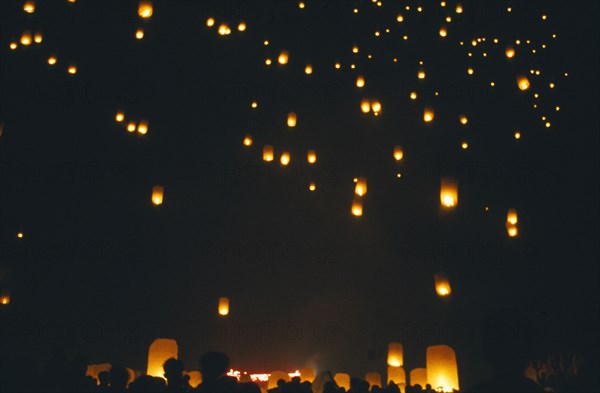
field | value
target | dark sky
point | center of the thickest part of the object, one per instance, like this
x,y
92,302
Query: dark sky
x,y
104,272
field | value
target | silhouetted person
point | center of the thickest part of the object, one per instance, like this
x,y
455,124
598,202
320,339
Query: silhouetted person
x,y
76,380
19,375
507,343
358,386
248,387
103,379
213,366
330,387
148,384
118,379
392,388
174,374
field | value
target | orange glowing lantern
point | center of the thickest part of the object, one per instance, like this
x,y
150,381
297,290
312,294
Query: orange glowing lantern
x,y
376,107
395,357
72,69
449,192
311,157
195,378
210,22
37,38
523,83
119,117
283,58
131,126
268,153
26,38
396,375
365,106
159,352
342,380
248,140
463,120
145,9
93,370
4,298
421,74
13,45
418,376
307,374
52,60
398,153
292,119
157,195
312,186
373,378
29,7
360,81
361,186
276,376
512,229
511,216
442,370
142,128
510,52
139,34
285,158
357,207
223,306
442,284
443,32
428,115
308,69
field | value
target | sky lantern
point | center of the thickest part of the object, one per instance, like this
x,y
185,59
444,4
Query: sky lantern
x,y
398,153
120,116
145,9
396,374
37,37
311,157
268,153
428,115
421,74
224,29
26,38
20,235
442,284
395,356
5,298
142,128
510,52
223,306
463,120
131,126
360,81
523,83
365,106
195,378
283,58
307,374
52,60
308,69
312,186
139,34
342,380
361,186
210,22
241,26
413,95
276,376
292,119
373,378
511,216
13,45
418,376
448,192
159,352
376,107
443,31
285,158
512,229
157,195
442,370
29,7
357,207
72,69
248,140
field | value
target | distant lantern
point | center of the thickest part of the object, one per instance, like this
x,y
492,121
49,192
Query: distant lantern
x,y
145,9
442,284
312,186
224,29
29,7
510,52
223,306
421,74
395,355
361,187
139,34
283,58
241,27
157,195
442,370
413,95
38,38
131,126
418,376
396,375
470,71
357,207
449,192
464,145
443,32
142,128
13,45
517,135
511,229
254,105
72,69
373,378
210,22
268,153
248,140
365,106
4,298
398,153
428,115
376,107
161,350
342,380
26,38
463,119
292,119
20,235
120,116
276,376
459,9
355,49
285,158
307,374
52,60
360,81
308,69
511,216
311,157
523,83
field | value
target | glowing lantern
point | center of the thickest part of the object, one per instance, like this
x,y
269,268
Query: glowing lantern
x,y
37,38
72,69
308,69
523,83
342,380
510,52
161,350
398,153
360,81
464,145
428,115
131,126
395,357
396,374
373,378
517,135
283,57
248,140
119,117
242,26
443,32
365,106
442,284
311,157
93,370
442,370
195,378
357,207
512,229
210,22
307,374
312,186
13,45
276,376
268,153
470,71
376,107
285,158
145,9
223,306
52,60
449,192
418,376
511,217
291,119
254,105
459,9
157,195
20,235
361,186
142,128
5,298
421,74
463,120
26,38
29,7
224,29
139,34
413,95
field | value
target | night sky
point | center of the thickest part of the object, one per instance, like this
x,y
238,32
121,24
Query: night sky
x,y
103,271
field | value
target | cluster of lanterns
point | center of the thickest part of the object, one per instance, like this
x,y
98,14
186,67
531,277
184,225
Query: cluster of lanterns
x,y
132,126
511,223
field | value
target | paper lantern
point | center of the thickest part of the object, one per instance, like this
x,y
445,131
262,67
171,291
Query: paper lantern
x,y
20,235
52,60
26,38
418,376
291,119
357,207
342,380
311,156
285,158
283,58
210,22
523,83
395,357
443,32
355,49
428,115
360,81
161,350
13,45
139,34
195,378
223,306
157,195
29,7
241,26
510,52
307,374
37,38
312,186
361,186
120,116
511,216
248,140
512,229
376,106
373,378
308,69
442,284
442,370
449,193
5,298
365,106
421,74
398,153
224,29
463,119
72,69
276,376
396,375
268,153
131,126
145,9
93,370
142,128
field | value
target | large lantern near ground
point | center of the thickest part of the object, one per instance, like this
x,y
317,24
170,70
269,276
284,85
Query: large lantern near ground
x,y
307,374
276,376
373,378
442,370
223,306
418,376
159,352
342,380
157,195
448,192
442,284
395,356
396,375
195,378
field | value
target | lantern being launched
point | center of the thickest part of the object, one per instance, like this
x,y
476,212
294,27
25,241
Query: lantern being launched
x,y
442,284
418,376
449,192
223,306
442,370
145,9
157,195
159,352
342,380
373,378
395,357
361,186
396,375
